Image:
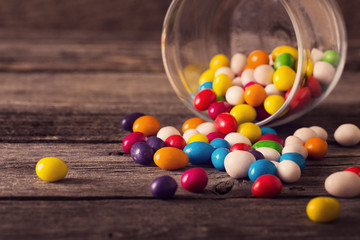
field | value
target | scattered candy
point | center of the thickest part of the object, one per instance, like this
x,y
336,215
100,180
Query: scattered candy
x,y
142,153
237,163
51,169
316,147
194,180
323,209
132,138
128,121
191,123
354,169
305,133
220,143
166,132
250,130
170,158
176,141
288,171
295,157
347,135
198,138
261,167
266,186
269,153
163,187
343,184
148,125
218,158
199,152
155,143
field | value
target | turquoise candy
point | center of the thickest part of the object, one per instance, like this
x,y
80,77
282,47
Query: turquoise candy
x,y
199,152
268,143
284,59
332,57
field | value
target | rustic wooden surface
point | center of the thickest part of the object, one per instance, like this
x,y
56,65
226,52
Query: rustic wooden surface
x,y
71,70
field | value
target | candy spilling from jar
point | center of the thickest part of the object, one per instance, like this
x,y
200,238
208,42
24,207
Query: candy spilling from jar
x,y
254,87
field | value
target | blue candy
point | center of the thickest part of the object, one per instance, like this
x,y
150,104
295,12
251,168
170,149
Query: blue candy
x,y
206,85
295,157
220,143
266,130
261,167
199,152
218,157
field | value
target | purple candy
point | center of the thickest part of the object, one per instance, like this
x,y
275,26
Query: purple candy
x,y
163,187
258,155
128,121
142,153
155,143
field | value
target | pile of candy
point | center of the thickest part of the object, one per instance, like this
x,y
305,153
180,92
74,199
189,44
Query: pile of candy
x,y
253,87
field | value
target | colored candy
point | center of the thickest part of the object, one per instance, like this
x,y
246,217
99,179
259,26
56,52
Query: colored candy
x,y
332,57
323,209
240,147
198,138
225,123
257,58
220,143
268,143
266,186
250,130
191,123
170,158
194,180
273,103
243,113
316,147
148,125
166,132
272,137
142,153
199,152
284,78
354,170
155,143
176,141
284,59
163,187
219,60
255,95
295,157
203,99
218,158
51,169
128,121
261,167
218,107
132,138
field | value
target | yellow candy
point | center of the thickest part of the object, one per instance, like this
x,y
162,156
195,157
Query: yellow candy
x,y
207,76
198,138
284,49
51,169
250,130
272,103
309,68
243,113
218,61
323,209
170,158
221,84
284,78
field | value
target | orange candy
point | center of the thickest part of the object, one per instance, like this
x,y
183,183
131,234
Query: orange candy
x,y
148,125
317,147
255,95
192,123
170,158
257,58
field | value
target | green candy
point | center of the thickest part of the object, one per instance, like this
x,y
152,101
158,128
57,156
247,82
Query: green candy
x,y
268,143
332,57
284,59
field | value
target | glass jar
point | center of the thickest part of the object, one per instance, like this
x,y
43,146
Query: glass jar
x,y
196,30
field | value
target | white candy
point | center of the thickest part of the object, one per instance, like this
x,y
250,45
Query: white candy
x,y
324,72
235,137
189,133
237,163
305,133
271,89
320,132
295,148
224,70
276,163
238,62
263,74
316,55
343,184
269,153
247,76
237,82
347,134
288,171
235,95
206,128
166,132
292,140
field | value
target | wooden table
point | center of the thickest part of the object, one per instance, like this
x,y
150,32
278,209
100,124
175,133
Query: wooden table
x,y
64,95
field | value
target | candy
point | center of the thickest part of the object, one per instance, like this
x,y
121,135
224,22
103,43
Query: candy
x,y
266,186
148,125
263,74
247,76
269,153
233,138
273,103
225,123
237,82
207,76
314,87
323,72
261,167
206,85
191,123
305,133
323,209
258,155
347,135
155,143
218,158
272,137
284,78
128,121
243,113
316,55
219,60
211,136
268,143
132,138
320,132
295,157
238,62
170,158
284,49
199,152
51,169
206,128
221,84
176,141
288,171
250,130
295,148
163,187
331,57
255,95
166,132
257,58
203,99
218,107
235,95
142,153
301,99
220,143
240,147
284,59
194,180
354,170
237,163
267,130
309,68
189,133
343,184
316,147
198,138
292,140
271,89
224,70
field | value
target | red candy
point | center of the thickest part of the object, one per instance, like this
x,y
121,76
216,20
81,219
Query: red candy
x,y
272,137
314,86
266,186
261,113
354,169
203,99
218,107
211,136
132,138
176,141
240,147
226,123
194,180
300,100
